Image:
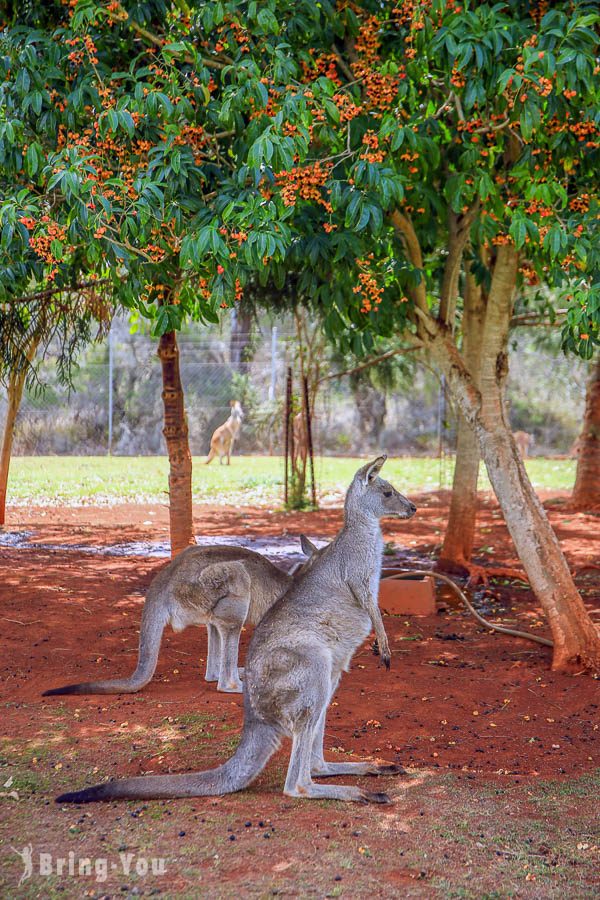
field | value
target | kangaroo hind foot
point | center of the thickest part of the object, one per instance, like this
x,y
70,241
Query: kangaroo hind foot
x,y
299,782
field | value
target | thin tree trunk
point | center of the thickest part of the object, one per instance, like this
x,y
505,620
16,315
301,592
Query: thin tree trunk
x,y
175,431
576,638
459,536
460,531
586,493
241,336
16,384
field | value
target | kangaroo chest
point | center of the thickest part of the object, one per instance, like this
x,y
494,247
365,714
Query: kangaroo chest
x,y
343,633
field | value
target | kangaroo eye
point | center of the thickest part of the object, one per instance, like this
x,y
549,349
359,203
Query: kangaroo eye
x,y
387,493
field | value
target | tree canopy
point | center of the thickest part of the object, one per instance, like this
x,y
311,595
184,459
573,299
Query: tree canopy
x,y
354,150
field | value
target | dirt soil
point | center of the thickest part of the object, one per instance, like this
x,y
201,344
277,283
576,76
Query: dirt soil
x,y
501,799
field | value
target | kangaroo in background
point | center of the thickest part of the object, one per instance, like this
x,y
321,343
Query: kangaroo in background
x,y
524,441
220,587
221,443
295,660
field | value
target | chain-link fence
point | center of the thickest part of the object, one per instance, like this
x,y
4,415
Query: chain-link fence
x,y
115,404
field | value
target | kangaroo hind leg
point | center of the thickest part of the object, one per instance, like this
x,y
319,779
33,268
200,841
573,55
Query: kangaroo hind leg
x,y
307,727
229,583
213,659
299,782
320,768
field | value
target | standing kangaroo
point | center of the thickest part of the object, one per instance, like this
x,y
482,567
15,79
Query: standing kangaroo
x,y
220,587
221,443
295,660
524,442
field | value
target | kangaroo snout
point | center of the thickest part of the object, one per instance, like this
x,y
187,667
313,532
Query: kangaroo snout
x,y
409,510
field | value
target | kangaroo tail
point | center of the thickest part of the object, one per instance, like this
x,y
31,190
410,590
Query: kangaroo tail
x,y
259,742
210,457
155,616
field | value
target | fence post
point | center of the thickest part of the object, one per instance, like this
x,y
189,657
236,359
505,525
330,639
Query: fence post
x,y
273,363
288,437
110,389
309,441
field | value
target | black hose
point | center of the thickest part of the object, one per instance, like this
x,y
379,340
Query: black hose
x,y
503,628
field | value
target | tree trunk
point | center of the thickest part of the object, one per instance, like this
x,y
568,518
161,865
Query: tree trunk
x,y
460,530
16,384
241,336
371,411
176,436
576,638
586,493
459,536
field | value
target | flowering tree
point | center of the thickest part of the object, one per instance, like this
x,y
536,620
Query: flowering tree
x,y
27,328
407,166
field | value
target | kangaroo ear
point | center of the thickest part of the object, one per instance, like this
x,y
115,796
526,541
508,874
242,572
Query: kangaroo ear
x,y
308,548
371,470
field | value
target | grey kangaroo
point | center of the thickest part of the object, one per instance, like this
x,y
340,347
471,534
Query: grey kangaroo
x,y
220,587
295,660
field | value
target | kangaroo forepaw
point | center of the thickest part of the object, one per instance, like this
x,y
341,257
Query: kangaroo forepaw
x,y
375,797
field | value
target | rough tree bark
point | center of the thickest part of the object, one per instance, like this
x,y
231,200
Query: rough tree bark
x,y
175,431
586,493
16,384
459,538
576,638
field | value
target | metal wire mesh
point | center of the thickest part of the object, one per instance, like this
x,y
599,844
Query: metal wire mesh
x,y
115,404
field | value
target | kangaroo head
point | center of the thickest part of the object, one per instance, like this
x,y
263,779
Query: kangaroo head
x,y
371,495
236,410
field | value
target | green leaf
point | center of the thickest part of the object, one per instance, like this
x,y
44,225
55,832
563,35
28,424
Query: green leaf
x,y
175,48
268,21
112,119
397,140
31,159
518,232
364,218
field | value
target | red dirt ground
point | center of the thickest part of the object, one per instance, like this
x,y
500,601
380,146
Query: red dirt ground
x,y
465,710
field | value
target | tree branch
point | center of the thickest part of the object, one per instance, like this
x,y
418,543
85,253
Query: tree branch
x,y
152,38
345,68
534,318
458,229
371,362
404,227
50,292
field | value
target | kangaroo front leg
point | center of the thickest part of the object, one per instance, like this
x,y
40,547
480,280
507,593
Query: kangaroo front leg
x,y
362,594
213,659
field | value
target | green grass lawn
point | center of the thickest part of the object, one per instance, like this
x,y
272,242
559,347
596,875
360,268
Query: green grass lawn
x,y
249,480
